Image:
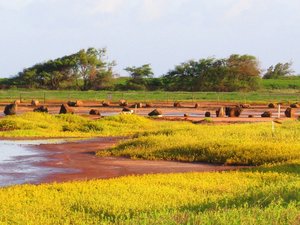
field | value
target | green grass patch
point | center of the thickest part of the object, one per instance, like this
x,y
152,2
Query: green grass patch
x,y
282,84
263,96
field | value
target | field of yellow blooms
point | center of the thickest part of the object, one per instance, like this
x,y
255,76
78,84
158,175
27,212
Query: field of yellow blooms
x,y
239,144
45,125
268,194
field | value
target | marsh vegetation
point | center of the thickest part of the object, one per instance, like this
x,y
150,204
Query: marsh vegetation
x,y
269,192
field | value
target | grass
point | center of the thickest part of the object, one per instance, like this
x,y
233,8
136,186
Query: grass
x,y
46,125
268,194
282,84
245,197
263,96
243,144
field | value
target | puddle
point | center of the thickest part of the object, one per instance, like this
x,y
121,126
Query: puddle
x,y
19,162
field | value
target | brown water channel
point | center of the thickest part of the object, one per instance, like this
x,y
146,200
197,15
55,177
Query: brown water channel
x,y
47,161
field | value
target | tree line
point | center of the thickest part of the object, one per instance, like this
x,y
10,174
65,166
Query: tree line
x,y
89,69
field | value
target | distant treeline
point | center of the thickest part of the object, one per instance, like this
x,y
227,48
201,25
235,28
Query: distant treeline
x,y
90,70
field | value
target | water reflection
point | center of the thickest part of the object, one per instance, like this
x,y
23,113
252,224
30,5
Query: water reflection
x,y
19,162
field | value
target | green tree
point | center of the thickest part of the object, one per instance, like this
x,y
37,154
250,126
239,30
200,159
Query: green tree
x,y
188,76
139,75
92,68
86,67
28,77
243,72
201,75
238,72
278,71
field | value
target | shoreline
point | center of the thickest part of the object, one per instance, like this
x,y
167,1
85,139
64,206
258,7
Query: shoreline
x,y
78,162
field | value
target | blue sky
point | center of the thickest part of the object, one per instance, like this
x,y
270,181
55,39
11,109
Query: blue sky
x,y
161,32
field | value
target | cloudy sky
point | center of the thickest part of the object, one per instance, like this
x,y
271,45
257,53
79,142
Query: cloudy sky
x,y
160,32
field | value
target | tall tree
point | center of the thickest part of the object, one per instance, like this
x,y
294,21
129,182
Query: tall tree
x,y
278,71
88,65
238,72
138,76
92,67
243,72
139,73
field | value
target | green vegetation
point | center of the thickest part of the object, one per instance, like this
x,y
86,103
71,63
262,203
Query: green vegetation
x,y
244,144
247,144
280,70
86,69
236,73
45,125
154,96
90,70
286,83
139,77
261,196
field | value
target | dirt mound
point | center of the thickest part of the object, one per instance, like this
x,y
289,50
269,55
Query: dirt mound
x,y
106,103
207,114
123,103
177,104
42,109
272,105
65,109
75,104
10,109
71,104
245,106
266,114
295,105
35,103
155,112
127,110
95,112
290,112
233,112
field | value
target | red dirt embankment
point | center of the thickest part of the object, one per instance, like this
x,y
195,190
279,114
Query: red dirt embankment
x,y
79,156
